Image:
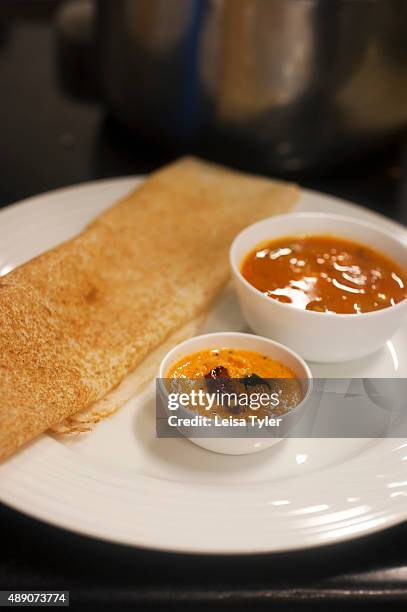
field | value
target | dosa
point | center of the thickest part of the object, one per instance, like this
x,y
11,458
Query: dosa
x,y
79,318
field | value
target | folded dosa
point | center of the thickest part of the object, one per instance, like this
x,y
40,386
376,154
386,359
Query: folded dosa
x,y
77,319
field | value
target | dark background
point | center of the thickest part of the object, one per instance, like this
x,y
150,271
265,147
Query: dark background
x,y
50,138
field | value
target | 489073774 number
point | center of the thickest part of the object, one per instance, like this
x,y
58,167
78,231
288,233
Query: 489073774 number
x,y
34,598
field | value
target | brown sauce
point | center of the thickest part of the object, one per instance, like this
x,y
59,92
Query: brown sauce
x,y
325,274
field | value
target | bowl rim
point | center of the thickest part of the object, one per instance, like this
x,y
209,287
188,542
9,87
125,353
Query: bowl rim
x,y
309,378
318,215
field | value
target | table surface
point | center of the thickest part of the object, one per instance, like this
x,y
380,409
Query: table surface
x,y
49,139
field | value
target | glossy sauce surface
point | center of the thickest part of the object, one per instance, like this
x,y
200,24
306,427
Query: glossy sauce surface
x,y
325,274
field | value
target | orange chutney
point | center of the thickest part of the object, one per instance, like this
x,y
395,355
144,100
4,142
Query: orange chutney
x,y
325,274
214,367
238,363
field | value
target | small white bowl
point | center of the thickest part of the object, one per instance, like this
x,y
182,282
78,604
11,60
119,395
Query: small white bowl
x,y
231,445
317,336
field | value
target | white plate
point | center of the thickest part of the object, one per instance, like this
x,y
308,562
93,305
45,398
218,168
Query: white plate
x,y
121,483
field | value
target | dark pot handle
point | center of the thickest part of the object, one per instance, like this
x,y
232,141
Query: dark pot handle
x,y
76,52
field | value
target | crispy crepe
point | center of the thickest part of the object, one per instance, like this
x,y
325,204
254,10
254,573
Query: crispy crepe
x,y
79,318
84,420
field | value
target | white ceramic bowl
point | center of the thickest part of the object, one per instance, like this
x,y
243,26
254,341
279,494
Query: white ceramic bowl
x,y
231,445
317,336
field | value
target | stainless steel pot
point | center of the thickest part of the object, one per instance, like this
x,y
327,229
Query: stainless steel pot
x,y
272,84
